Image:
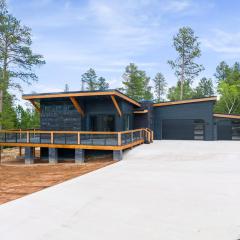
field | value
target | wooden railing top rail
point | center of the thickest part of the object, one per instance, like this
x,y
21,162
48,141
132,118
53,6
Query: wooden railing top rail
x,y
68,132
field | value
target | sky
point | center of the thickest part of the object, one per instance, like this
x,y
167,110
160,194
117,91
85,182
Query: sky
x,y
107,35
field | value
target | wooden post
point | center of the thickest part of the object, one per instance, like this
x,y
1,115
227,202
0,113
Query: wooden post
x,y
119,139
78,140
51,137
20,151
28,137
131,136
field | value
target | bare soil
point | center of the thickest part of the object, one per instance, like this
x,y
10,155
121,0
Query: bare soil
x,y
17,179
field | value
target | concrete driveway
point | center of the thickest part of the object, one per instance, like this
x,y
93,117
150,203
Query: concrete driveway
x,y
168,190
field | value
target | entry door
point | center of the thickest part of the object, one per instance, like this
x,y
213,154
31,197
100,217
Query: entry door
x,y
101,122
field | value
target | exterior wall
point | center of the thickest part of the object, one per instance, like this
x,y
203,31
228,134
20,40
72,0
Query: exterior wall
x,y
144,120
60,114
200,111
225,129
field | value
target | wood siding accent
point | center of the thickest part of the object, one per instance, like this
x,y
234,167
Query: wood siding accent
x,y
77,106
228,116
185,101
116,105
35,105
81,94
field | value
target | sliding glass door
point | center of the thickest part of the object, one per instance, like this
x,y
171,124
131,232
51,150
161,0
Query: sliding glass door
x,y
102,122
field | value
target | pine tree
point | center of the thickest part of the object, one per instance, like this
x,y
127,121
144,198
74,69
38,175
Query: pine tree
x,y
102,84
204,88
174,92
16,57
89,80
66,88
136,83
27,118
188,48
160,85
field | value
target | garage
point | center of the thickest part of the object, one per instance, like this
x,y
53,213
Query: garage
x,y
183,129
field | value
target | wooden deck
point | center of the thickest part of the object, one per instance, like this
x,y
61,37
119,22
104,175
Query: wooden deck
x,y
75,139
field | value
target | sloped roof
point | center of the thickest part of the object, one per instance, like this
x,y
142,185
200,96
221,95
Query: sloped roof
x,y
80,94
196,100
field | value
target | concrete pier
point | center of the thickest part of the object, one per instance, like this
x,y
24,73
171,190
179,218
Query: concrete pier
x,y
117,155
29,155
79,155
53,155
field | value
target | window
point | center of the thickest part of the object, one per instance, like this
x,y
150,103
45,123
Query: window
x,y
126,122
236,130
101,122
198,130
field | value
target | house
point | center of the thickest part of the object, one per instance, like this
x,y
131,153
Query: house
x,y
74,122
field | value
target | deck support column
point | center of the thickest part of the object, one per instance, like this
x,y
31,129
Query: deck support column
x,y
117,155
29,156
52,155
79,155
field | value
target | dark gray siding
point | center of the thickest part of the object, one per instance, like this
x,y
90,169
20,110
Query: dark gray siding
x,y
144,120
224,129
191,111
60,114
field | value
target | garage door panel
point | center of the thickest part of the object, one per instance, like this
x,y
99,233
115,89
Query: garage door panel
x,y
178,129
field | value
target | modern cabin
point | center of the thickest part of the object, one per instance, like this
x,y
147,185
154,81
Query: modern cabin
x,y
74,122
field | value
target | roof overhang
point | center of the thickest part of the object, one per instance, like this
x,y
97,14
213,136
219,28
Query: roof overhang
x,y
198,100
80,94
226,116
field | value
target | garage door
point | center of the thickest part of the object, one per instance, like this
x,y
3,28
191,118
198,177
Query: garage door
x,y
183,129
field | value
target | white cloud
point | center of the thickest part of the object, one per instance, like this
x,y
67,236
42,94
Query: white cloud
x,y
176,5
223,42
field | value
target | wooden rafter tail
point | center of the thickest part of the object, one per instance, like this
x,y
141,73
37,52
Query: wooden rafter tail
x,y
116,105
77,106
35,105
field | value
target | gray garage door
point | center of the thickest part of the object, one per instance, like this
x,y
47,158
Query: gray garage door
x,y
183,129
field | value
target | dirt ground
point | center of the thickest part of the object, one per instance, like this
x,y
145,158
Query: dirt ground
x,y
17,179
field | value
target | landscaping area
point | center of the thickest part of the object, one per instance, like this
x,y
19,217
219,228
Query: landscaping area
x,y
18,180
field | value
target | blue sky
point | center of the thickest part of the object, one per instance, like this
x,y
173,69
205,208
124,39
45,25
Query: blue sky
x,y
107,35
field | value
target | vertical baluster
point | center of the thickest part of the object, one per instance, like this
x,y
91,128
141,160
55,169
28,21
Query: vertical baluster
x,y
28,139
119,138
52,138
78,138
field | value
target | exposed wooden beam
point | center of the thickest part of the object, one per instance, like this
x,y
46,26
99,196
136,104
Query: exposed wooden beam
x,y
141,111
77,106
35,105
116,105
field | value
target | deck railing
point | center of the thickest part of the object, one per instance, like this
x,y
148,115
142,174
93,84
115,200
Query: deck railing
x,y
76,137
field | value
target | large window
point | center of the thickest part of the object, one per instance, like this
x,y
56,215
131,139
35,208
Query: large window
x,y
198,130
101,122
